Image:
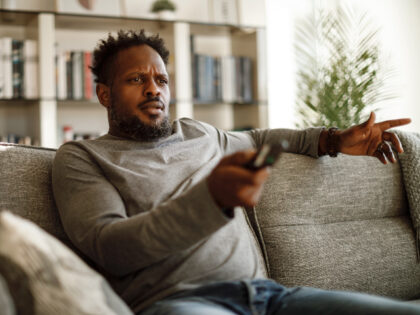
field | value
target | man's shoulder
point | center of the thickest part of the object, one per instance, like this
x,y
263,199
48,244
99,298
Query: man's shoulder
x,y
70,151
191,124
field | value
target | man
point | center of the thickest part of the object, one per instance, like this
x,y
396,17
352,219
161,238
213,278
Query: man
x,y
152,203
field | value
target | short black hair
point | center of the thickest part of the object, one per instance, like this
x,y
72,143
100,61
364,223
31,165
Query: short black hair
x,y
106,51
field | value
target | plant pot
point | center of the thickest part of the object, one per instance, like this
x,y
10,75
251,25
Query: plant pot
x,y
166,15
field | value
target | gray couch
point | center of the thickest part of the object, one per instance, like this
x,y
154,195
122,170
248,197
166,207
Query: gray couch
x,y
338,223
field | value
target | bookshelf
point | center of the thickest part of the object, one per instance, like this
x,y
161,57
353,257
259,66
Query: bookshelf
x,y
43,118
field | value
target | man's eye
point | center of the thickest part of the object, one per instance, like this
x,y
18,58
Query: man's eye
x,y
163,81
136,79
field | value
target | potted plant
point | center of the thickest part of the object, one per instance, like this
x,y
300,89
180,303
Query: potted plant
x,y
164,9
340,74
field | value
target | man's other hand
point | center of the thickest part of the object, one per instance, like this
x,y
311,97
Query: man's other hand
x,y
231,184
372,139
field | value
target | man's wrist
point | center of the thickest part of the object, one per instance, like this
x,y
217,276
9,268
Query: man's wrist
x,y
333,141
329,142
322,144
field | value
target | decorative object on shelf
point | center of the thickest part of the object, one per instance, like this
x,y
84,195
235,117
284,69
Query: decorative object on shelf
x,y
68,134
224,11
89,7
165,9
341,77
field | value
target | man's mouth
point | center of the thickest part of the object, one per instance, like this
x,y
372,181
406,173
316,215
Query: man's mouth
x,y
152,107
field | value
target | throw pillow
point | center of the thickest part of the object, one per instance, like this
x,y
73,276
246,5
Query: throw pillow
x,y
45,277
7,306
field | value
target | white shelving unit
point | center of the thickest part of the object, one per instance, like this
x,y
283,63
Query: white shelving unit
x,y
44,118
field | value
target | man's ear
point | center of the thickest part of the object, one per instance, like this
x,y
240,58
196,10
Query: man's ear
x,y
104,94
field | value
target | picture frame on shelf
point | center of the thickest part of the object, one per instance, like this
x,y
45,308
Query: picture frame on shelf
x,y
89,7
224,11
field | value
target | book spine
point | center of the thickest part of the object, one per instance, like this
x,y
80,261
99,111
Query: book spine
x,y
30,79
94,96
69,75
61,76
2,78
87,59
17,68
238,81
7,67
247,80
77,67
228,79
218,78
201,78
195,76
210,78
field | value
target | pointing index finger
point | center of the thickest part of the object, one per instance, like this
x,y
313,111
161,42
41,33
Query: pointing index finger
x,y
393,123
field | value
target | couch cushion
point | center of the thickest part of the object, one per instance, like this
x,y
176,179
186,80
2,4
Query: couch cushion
x,y
45,277
339,224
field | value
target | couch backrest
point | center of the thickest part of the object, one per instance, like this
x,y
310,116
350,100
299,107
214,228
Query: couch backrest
x,y
25,189
25,186
339,223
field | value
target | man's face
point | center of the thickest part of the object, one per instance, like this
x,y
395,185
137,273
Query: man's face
x,y
139,95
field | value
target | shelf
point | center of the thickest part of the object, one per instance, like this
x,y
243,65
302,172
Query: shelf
x,y
60,32
17,18
215,103
87,21
19,100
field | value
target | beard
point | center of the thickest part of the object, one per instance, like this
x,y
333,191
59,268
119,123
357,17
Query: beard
x,y
137,129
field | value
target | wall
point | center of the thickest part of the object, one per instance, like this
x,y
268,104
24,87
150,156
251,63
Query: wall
x,y
399,22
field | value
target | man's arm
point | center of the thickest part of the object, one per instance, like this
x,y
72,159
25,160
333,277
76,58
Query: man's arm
x,y
299,141
94,217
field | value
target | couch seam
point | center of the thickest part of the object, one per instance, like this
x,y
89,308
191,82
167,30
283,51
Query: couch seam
x,y
337,222
260,237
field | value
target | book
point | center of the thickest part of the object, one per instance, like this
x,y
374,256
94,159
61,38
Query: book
x,y
217,79
228,79
6,67
88,82
246,67
69,75
61,76
17,68
77,76
30,70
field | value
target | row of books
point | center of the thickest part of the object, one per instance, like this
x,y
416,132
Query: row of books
x,y
74,79
225,79
18,68
18,139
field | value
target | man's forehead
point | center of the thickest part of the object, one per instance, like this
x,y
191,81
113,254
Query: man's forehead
x,y
142,58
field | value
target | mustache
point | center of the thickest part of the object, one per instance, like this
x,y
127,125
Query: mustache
x,y
152,99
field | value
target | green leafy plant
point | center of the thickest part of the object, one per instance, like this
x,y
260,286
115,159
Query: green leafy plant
x,y
162,5
340,76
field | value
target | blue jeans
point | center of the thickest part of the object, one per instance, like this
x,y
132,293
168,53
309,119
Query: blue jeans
x,y
266,297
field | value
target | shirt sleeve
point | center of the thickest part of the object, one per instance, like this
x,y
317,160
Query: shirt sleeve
x,y
298,141
95,219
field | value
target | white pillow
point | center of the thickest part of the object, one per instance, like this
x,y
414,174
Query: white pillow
x,y
45,277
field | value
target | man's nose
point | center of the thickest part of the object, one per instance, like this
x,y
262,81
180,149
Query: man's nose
x,y
152,89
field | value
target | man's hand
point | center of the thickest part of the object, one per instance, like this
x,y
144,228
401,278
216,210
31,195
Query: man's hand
x,y
372,139
231,184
